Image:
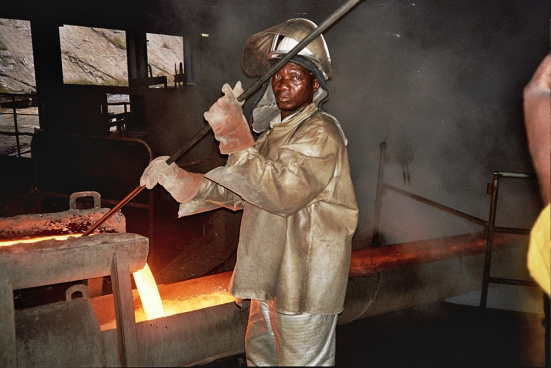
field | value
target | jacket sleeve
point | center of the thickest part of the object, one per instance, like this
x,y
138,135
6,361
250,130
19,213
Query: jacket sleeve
x,y
304,167
210,197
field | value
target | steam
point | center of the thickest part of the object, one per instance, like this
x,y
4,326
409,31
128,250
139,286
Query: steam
x,y
442,87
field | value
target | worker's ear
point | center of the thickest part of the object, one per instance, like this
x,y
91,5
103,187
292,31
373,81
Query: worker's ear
x,y
315,85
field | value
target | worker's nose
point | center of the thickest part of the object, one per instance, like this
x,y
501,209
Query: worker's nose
x,y
283,85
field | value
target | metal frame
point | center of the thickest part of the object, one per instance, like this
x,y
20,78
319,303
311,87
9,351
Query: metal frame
x,y
489,225
16,133
493,189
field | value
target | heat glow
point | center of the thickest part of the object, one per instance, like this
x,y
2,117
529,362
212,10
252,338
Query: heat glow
x,y
149,293
34,240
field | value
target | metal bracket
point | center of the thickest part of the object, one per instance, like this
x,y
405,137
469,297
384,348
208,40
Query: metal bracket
x,y
73,199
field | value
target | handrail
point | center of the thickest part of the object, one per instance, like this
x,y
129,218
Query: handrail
x,y
13,105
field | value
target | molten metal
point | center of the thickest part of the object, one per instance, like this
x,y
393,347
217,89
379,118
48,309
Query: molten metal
x,y
149,293
34,240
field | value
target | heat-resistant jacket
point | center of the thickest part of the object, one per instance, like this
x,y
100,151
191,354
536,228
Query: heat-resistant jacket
x,y
299,214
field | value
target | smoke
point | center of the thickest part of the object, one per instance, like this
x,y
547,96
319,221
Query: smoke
x,y
441,84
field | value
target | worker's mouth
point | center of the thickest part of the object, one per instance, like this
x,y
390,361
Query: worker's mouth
x,y
283,98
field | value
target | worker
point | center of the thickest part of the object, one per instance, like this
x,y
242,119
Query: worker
x,y
294,187
537,119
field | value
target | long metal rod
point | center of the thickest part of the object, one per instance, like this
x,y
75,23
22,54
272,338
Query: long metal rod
x,y
246,94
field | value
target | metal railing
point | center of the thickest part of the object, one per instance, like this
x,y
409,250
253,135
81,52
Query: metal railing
x,y
17,101
489,226
382,187
493,190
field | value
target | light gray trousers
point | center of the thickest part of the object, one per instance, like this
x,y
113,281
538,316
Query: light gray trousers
x,y
274,338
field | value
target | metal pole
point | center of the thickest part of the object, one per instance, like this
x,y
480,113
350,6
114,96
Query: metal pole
x,y
15,126
490,240
269,73
375,241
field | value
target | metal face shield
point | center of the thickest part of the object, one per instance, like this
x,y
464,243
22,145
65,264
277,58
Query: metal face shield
x,y
262,45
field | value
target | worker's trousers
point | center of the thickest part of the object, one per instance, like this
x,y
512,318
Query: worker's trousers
x,y
274,338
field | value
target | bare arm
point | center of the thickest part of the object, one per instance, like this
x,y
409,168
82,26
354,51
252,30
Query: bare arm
x,y
537,118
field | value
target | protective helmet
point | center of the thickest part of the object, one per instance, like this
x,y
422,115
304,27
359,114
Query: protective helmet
x,y
267,46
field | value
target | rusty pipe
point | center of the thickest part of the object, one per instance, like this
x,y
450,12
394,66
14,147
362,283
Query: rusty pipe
x,y
269,73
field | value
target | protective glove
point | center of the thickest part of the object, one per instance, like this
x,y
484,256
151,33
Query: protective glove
x,y
228,122
181,184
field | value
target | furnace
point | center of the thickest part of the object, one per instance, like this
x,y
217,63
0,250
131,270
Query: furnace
x,y
66,332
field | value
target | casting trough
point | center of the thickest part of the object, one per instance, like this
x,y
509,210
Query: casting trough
x,y
202,322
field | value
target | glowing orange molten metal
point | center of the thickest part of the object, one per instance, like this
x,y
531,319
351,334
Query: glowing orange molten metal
x,y
149,293
34,240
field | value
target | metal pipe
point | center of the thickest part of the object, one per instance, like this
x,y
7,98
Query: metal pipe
x,y
433,269
54,262
507,281
510,174
269,73
511,230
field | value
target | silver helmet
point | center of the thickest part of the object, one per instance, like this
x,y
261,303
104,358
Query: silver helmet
x,y
267,46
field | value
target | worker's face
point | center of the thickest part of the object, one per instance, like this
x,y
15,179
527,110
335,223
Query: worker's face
x,y
294,88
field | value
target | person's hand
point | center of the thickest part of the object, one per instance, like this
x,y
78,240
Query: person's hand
x,y
181,184
228,122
